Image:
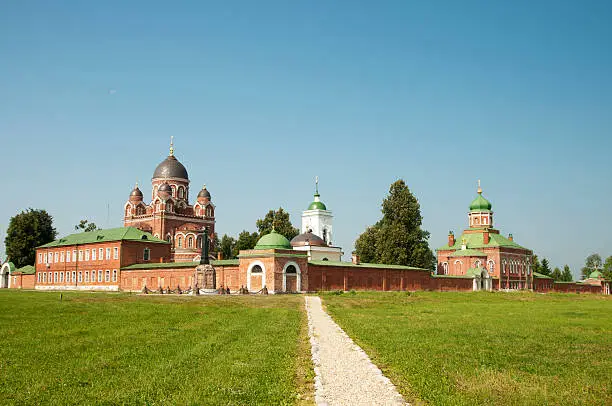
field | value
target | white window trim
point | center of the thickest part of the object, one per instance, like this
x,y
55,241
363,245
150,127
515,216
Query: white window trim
x,y
298,276
263,274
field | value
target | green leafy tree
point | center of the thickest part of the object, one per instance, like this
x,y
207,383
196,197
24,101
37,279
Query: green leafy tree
x,y
535,264
85,225
556,274
226,246
607,268
280,220
591,263
545,267
397,238
567,276
26,231
245,241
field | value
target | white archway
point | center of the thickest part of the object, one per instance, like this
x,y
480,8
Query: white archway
x,y
263,274
298,276
5,275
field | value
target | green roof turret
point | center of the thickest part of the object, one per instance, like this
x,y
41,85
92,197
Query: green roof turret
x,y
480,203
317,204
273,240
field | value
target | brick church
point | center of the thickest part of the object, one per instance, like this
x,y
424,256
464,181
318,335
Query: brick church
x,y
169,215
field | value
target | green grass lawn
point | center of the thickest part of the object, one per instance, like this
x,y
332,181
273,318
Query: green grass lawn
x,y
126,349
485,348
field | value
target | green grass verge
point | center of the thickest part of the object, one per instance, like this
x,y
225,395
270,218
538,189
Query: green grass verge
x,y
485,348
97,348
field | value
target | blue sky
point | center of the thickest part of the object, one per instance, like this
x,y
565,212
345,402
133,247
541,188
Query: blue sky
x,y
261,97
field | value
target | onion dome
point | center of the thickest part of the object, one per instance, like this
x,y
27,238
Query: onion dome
x,y
480,203
164,189
204,193
595,275
136,194
170,167
308,239
273,240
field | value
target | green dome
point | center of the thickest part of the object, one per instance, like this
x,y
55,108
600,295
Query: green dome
x,y
480,203
317,206
595,275
273,240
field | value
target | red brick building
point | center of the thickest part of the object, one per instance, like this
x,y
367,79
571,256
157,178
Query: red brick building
x,y
16,278
170,215
484,253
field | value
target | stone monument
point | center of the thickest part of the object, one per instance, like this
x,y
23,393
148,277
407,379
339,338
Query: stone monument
x,y
205,278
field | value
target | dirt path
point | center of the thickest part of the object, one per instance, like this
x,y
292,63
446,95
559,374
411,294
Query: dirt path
x,y
344,373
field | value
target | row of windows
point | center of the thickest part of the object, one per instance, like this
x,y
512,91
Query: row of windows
x,y
83,255
74,276
181,191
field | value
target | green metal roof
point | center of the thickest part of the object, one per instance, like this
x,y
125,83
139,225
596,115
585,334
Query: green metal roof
x,y
480,203
366,265
541,276
468,253
595,275
25,270
110,234
476,241
273,240
317,206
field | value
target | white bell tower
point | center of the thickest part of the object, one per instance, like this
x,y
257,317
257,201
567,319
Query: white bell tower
x,y
317,218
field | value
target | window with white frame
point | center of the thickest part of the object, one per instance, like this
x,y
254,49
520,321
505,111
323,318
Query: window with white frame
x,y
73,276
87,255
56,257
93,254
67,256
61,277
147,254
80,255
54,277
80,276
38,277
44,277
491,266
445,268
190,242
108,251
179,242
114,275
62,256
107,276
99,275
86,276
46,258
40,258
115,252
101,254
74,257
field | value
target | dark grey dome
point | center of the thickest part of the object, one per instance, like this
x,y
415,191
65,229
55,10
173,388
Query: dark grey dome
x,y
308,238
204,193
136,192
165,188
170,168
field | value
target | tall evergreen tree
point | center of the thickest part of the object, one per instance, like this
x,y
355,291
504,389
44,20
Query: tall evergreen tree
x,y
607,268
26,231
226,246
556,274
281,222
397,239
567,276
544,267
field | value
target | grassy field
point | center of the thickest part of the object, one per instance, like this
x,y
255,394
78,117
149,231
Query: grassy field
x,y
122,349
485,348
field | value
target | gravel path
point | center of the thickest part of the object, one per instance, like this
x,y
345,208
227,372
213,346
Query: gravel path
x,y
344,373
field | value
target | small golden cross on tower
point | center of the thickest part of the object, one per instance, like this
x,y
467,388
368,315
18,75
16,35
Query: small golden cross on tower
x,y
172,145
479,188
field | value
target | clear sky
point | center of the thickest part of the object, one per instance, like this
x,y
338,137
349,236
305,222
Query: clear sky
x,y
262,96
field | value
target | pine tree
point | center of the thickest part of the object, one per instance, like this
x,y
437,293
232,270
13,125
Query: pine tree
x,y
556,274
544,267
397,239
567,276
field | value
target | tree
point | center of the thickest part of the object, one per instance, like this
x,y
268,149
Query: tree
x,y
544,267
85,225
245,241
556,274
535,264
607,268
280,220
397,238
567,276
591,263
226,246
26,231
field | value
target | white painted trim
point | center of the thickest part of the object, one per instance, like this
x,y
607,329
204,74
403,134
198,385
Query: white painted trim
x,y
108,288
263,274
298,276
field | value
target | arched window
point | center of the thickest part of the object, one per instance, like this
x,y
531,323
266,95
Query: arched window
x,y
290,269
325,235
209,211
128,210
181,192
169,238
491,266
157,206
325,259
146,254
256,269
190,242
477,264
140,210
173,190
179,242
168,206
445,268
458,267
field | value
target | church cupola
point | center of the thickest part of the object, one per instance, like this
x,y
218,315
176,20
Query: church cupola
x,y
204,195
136,195
317,218
164,191
480,215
